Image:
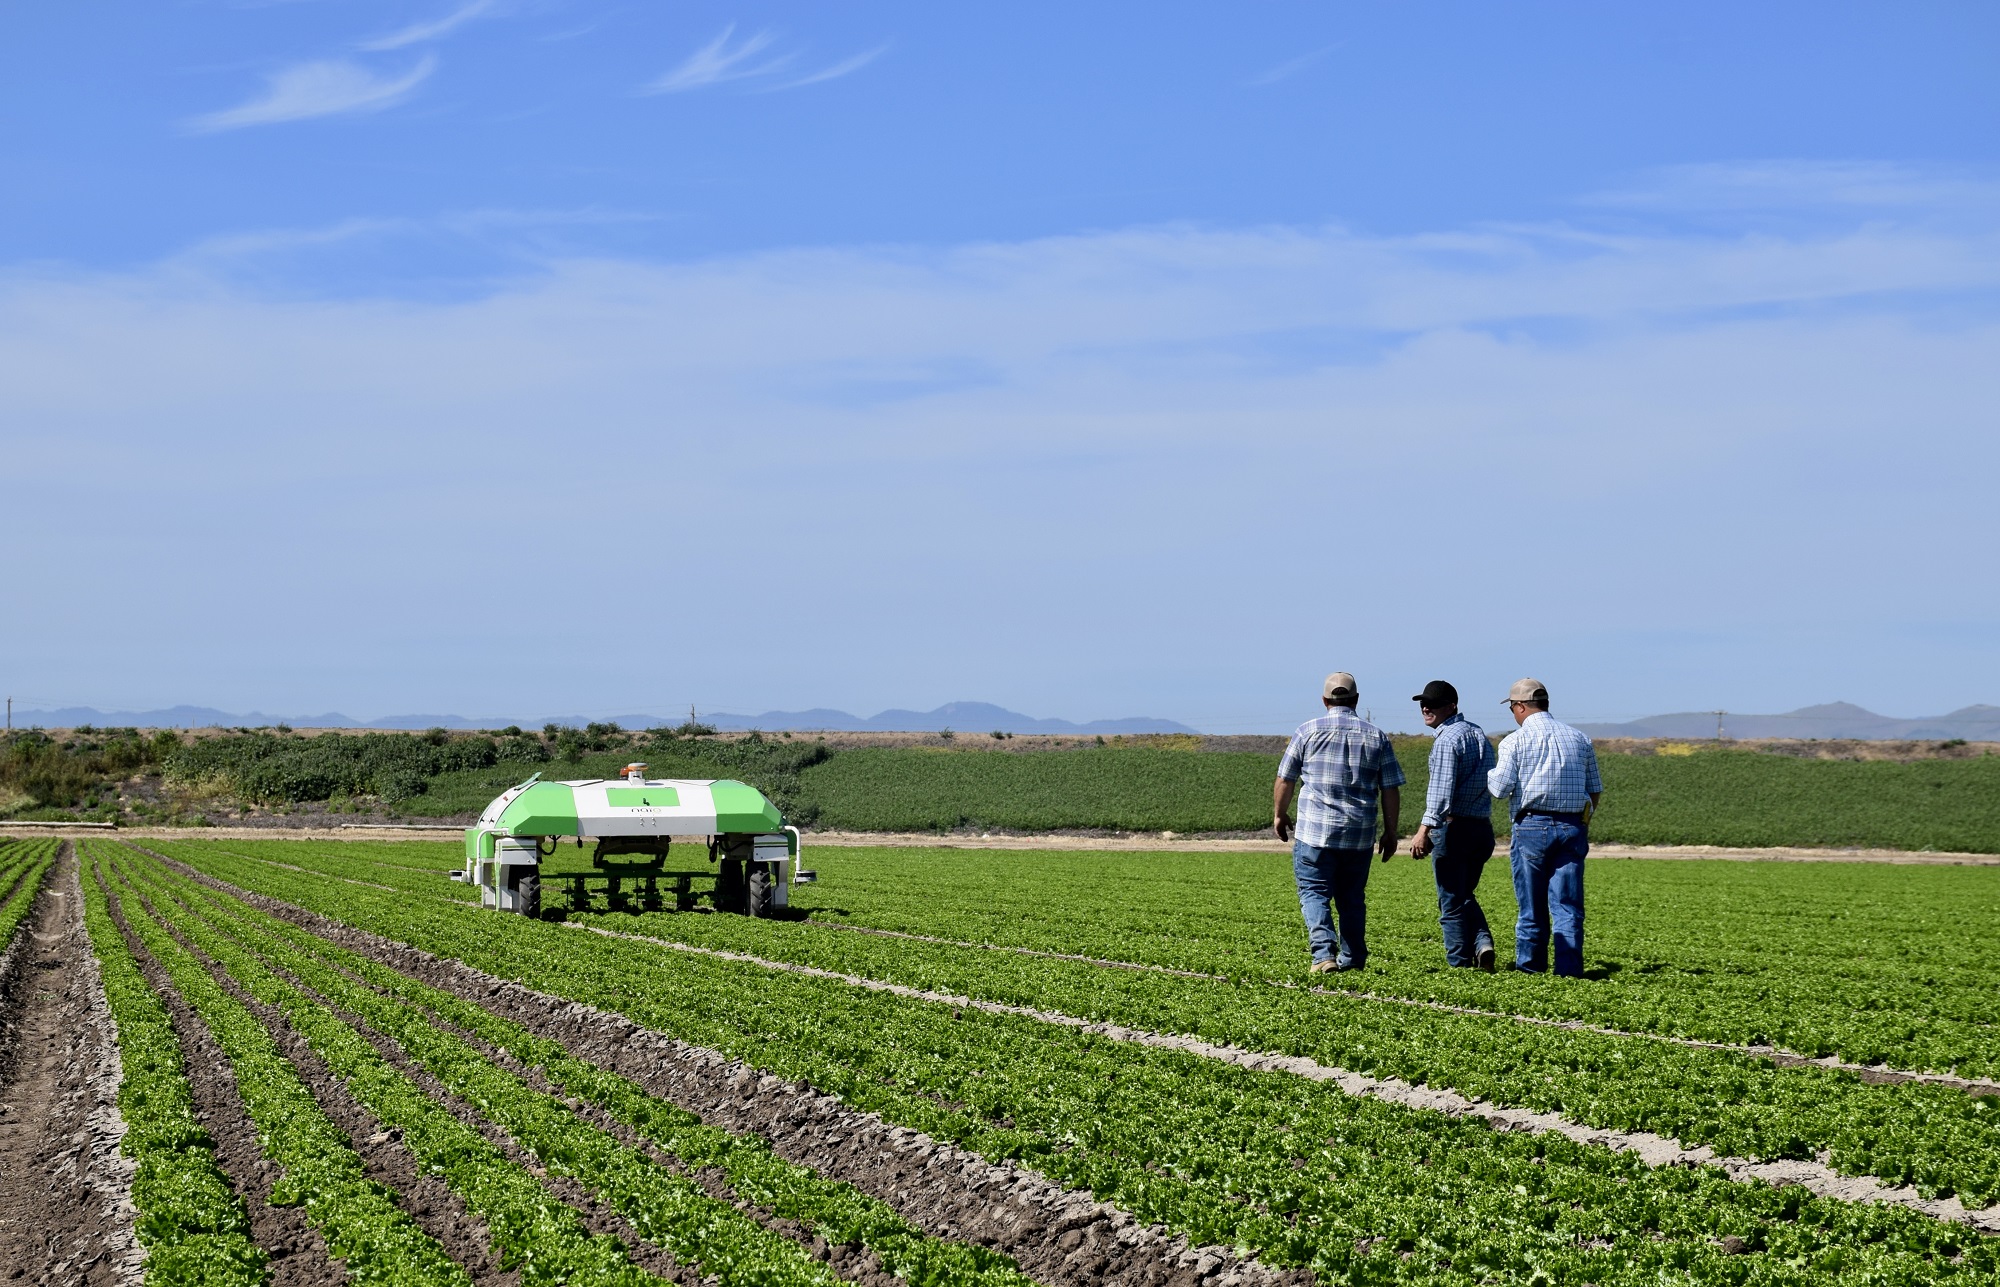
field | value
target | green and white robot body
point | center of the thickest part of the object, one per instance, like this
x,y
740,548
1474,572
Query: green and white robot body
x,y
756,855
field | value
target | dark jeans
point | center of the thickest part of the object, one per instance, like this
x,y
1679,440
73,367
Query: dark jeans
x,y
1458,861
1548,883
1339,875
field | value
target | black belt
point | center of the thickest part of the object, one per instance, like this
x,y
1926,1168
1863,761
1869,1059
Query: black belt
x,y
1470,817
1576,817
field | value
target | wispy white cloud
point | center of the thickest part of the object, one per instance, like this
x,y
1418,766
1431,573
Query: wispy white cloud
x,y
844,67
418,32
1293,66
720,61
326,87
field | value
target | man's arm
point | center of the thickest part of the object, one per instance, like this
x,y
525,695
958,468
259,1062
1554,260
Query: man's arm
x,y
1437,797
1500,780
1392,819
1282,792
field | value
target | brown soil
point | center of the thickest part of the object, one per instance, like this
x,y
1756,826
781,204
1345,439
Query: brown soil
x,y
426,1199
1061,1237
65,1193
298,1254
855,1264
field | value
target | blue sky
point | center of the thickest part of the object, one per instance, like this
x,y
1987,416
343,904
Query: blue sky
x,y
1093,360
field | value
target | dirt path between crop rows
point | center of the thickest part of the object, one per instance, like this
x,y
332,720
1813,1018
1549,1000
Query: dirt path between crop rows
x,y
65,1192
1654,1150
425,1198
1879,1074
1059,1236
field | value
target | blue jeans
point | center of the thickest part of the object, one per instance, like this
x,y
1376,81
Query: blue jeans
x,y
1339,875
1458,861
1548,883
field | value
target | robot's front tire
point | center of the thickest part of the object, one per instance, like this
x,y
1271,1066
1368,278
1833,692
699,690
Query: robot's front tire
x,y
759,900
528,891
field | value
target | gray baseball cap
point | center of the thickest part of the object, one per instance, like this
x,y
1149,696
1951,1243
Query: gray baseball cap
x,y
1339,684
1527,690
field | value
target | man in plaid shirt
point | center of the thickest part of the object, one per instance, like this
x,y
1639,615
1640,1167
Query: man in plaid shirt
x,y
1337,765
1550,771
1457,830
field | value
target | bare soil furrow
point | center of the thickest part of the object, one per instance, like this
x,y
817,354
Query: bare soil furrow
x,y
65,1191
1879,1074
597,1217
299,1256
463,1234
1654,1150
425,1198
853,1263
1058,1236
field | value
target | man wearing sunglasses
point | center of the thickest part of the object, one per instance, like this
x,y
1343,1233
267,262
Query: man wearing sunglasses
x,y
1550,771
1457,828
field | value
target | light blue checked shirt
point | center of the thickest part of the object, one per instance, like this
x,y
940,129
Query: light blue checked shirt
x,y
1545,764
1460,759
1341,763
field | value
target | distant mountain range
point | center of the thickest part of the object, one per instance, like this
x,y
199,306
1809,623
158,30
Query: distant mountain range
x,y
965,717
1832,720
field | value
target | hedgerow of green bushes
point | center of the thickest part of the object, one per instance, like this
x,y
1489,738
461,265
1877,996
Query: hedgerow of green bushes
x,y
70,772
282,768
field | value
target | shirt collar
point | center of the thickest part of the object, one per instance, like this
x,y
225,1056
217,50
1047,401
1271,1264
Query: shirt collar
x,y
1457,717
1532,718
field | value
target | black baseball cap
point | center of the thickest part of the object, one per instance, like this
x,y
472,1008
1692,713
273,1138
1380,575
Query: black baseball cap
x,y
1437,695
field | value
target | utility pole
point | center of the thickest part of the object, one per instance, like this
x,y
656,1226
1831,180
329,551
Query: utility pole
x,y
1718,725
10,717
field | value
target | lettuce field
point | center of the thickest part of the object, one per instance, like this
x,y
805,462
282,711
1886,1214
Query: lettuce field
x,y
317,1062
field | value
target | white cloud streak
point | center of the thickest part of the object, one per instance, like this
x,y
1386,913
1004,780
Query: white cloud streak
x,y
417,33
1292,66
845,67
328,87
717,62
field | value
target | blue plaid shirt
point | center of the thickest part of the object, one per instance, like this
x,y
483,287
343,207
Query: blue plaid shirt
x,y
1341,763
1546,764
1460,759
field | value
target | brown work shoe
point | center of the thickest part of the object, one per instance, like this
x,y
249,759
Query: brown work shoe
x,y
1325,965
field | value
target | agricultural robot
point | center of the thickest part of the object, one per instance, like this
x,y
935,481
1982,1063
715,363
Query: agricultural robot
x,y
752,856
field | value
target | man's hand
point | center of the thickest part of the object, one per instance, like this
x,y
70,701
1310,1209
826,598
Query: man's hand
x,y
1420,844
1388,845
1282,792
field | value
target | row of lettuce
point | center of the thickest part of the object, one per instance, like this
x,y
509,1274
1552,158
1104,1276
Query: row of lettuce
x,y
23,866
1872,963
1355,1189
1934,1136
276,1000
1869,963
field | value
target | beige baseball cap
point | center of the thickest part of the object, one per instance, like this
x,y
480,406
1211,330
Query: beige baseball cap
x,y
1527,690
1339,684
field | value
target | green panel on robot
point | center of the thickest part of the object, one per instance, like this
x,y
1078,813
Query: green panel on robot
x,y
544,809
634,797
740,808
